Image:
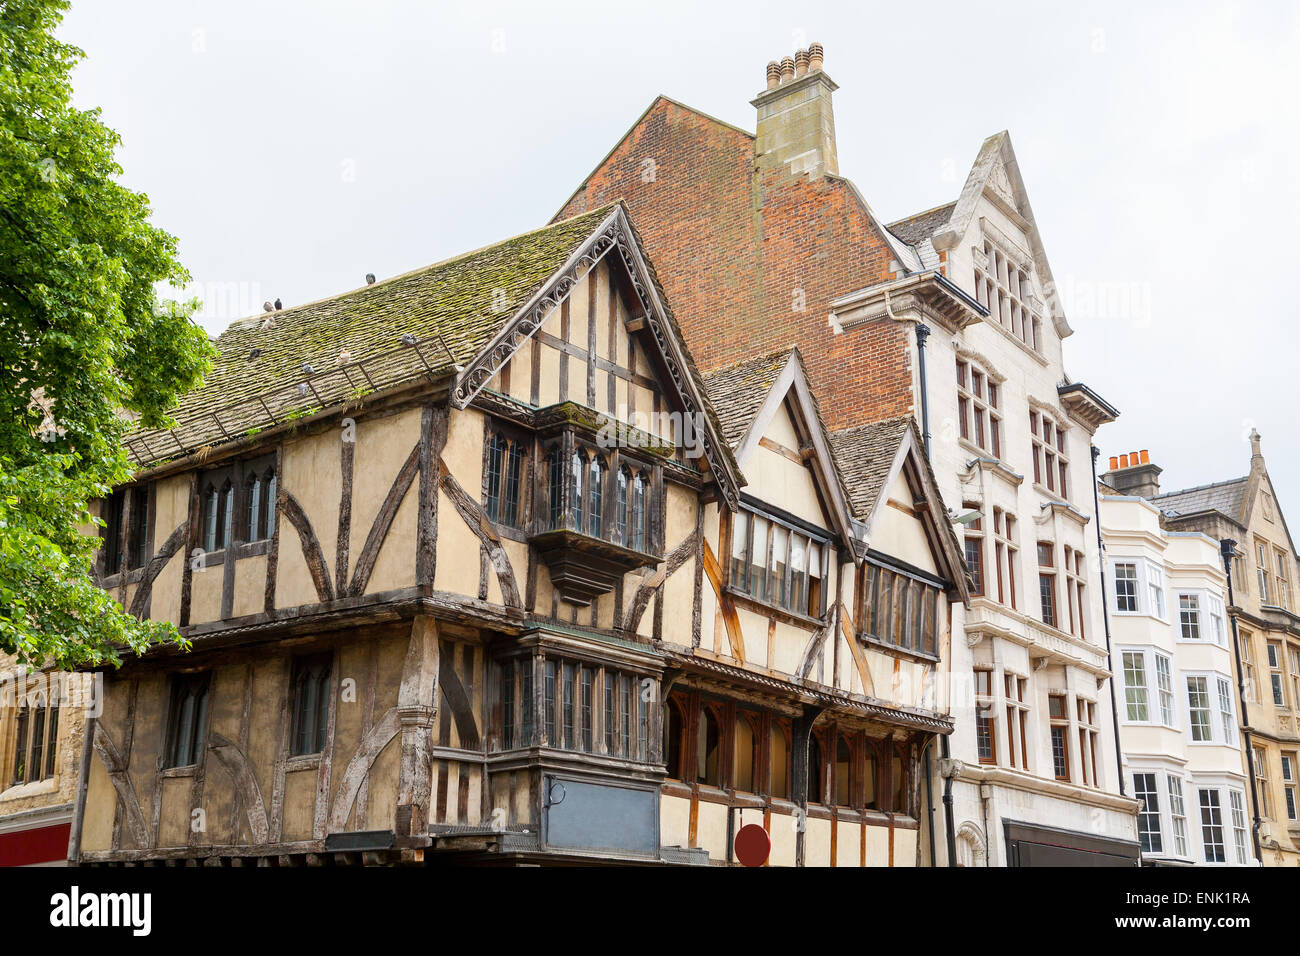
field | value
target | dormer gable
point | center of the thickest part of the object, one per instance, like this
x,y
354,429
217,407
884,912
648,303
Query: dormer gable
x,y
896,501
769,414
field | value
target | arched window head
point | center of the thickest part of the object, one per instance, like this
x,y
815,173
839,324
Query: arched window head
x,y
638,529
210,508
495,465
578,470
555,487
596,497
227,514
253,512
268,502
620,505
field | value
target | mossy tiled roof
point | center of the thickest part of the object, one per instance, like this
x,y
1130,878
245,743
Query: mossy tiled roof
x,y
864,455
738,391
463,301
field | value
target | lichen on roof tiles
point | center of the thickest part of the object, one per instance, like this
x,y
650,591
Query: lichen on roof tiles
x,y
464,301
864,455
737,391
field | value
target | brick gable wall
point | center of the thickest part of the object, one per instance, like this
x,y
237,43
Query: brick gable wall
x,y
732,249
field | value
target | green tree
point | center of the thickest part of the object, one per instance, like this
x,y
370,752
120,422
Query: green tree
x,y
86,347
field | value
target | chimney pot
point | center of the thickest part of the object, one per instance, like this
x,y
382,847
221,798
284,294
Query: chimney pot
x,y
773,75
1123,461
815,57
1133,459
1114,462
801,62
787,69
1146,456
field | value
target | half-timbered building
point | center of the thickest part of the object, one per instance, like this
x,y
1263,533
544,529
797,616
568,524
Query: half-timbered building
x,y
472,571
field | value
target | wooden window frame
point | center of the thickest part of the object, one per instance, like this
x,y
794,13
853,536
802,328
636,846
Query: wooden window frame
x,y
231,528
1089,733
1075,591
793,591
191,743
631,513
507,461
1209,811
312,682
899,610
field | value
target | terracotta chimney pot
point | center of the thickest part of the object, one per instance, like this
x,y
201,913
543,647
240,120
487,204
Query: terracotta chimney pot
x,y
773,75
815,57
787,69
801,63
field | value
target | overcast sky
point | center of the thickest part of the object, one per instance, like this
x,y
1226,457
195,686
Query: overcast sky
x,y
294,147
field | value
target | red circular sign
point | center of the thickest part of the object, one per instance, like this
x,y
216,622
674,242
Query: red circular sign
x,y
753,845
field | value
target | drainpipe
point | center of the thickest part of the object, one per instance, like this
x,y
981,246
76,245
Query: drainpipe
x,y
945,755
1226,548
923,333
1105,620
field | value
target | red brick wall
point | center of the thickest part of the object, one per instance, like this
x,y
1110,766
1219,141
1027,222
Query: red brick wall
x,y
731,251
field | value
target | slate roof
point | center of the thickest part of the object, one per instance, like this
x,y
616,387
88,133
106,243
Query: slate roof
x,y
453,308
737,391
923,225
1227,497
864,455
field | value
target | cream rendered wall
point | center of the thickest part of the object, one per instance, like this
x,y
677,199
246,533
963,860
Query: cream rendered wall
x,y
779,481
900,534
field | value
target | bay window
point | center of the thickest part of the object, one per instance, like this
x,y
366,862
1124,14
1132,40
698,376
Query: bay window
x,y
585,706
1148,798
1212,826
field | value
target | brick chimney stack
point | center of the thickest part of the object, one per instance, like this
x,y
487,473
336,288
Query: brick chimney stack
x,y
1134,474
796,129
